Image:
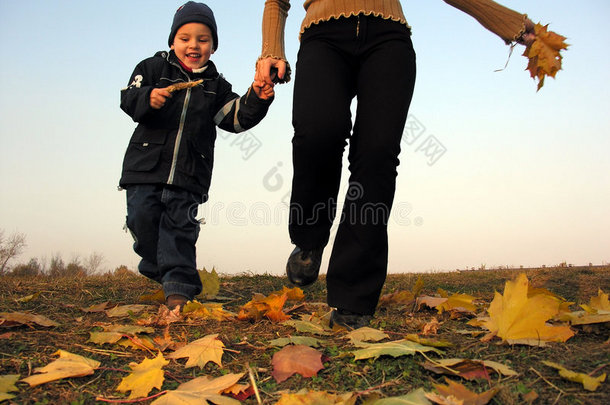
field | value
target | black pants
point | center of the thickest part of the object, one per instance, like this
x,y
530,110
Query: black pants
x,y
162,222
373,60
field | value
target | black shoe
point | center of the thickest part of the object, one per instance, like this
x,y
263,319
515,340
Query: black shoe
x,y
348,319
303,266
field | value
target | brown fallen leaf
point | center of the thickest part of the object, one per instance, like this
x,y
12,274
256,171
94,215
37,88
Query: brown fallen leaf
x,y
456,393
10,319
297,359
144,377
97,307
183,85
430,301
68,365
468,369
201,351
431,327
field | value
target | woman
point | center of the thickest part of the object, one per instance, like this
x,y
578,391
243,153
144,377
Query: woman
x,y
362,49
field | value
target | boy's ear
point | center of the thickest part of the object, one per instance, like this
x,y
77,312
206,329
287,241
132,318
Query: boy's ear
x,y
171,46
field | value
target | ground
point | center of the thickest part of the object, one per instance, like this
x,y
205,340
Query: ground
x,y
23,348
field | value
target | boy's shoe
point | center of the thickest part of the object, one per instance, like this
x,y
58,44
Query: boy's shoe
x,y
303,266
175,300
348,319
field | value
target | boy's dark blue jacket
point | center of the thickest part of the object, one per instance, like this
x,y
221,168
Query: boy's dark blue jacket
x,y
175,144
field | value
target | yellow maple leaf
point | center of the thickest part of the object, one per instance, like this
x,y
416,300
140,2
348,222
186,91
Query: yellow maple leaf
x,y
588,382
201,351
207,310
515,318
144,377
261,306
68,365
210,282
7,384
456,302
201,390
598,303
544,53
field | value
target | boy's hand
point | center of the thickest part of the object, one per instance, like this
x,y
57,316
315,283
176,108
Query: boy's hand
x,y
158,98
263,90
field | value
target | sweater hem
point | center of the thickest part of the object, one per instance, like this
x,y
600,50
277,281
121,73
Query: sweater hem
x,y
352,14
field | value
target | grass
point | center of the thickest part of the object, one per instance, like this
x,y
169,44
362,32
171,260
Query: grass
x,y
24,348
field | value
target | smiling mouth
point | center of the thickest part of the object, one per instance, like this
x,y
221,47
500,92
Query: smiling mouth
x,y
194,55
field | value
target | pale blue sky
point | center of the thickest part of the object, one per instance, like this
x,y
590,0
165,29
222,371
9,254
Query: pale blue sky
x,y
524,179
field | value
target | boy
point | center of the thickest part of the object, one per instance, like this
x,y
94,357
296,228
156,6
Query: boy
x,y
177,98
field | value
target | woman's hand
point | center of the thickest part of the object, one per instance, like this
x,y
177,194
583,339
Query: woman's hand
x,y
265,70
528,37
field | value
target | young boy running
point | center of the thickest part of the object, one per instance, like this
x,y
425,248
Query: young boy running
x,y
178,98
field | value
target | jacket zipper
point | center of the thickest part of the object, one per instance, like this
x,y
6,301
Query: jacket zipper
x,y
172,172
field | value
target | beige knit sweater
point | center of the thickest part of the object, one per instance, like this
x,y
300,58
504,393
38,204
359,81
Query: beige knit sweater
x,y
504,22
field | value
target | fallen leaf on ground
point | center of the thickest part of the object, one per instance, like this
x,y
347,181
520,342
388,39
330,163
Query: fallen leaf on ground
x,y
456,393
144,377
431,327
544,54
305,397
163,317
417,397
125,310
517,319
97,307
468,369
428,342
68,365
366,334
201,351
430,301
598,303
297,359
396,298
201,391
588,382
208,310
308,327
295,340
395,349
456,302
10,319
7,384
29,298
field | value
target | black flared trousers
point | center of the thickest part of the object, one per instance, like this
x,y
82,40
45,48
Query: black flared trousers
x,y
373,60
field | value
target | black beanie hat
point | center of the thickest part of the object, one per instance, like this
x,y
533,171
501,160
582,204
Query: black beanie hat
x,y
193,12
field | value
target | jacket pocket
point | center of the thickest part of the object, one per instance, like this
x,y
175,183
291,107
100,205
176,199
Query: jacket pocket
x,y
144,150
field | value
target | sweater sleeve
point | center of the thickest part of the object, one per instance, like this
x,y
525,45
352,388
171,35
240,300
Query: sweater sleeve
x,y
274,22
502,21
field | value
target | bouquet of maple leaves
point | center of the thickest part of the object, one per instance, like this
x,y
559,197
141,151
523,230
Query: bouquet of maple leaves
x,y
544,53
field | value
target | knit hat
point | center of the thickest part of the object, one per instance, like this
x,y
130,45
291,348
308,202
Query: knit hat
x,y
193,12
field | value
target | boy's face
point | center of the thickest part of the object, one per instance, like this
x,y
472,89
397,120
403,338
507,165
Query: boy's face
x,y
193,44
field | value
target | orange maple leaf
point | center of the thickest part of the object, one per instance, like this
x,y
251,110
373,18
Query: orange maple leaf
x,y
544,53
270,306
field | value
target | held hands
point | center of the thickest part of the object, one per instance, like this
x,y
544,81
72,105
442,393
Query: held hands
x,y
158,98
270,70
263,90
